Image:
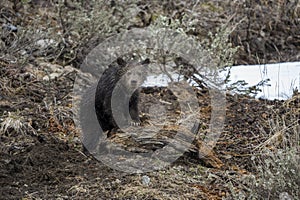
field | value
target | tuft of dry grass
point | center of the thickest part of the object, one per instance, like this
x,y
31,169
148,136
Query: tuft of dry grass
x,y
15,123
277,164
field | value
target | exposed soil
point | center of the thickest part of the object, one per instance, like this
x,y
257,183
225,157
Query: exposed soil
x,y
41,155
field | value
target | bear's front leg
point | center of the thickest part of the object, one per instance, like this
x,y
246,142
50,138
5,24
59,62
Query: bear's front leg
x,y
134,111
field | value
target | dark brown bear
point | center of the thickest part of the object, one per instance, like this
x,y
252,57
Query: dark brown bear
x,y
117,95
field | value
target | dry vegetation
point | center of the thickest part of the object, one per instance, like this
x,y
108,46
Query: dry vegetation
x,y
43,43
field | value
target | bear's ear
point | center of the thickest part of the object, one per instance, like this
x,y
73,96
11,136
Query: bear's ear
x,y
121,62
145,62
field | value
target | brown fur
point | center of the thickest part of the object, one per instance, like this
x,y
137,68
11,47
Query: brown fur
x,y
124,79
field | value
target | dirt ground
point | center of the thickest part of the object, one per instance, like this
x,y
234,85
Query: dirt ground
x,y
41,155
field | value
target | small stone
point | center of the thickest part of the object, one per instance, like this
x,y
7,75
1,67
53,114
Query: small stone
x,y
51,76
285,196
145,180
10,27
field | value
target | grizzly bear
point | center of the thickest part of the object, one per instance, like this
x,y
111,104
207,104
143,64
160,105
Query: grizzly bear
x,y
117,94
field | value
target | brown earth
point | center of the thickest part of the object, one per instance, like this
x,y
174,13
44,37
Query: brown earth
x,y
41,156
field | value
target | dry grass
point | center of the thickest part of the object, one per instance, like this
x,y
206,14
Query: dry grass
x,y
42,108
276,160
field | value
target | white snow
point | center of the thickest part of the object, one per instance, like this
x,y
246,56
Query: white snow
x,y
284,77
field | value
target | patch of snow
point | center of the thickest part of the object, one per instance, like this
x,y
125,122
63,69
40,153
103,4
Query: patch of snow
x,y
284,78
